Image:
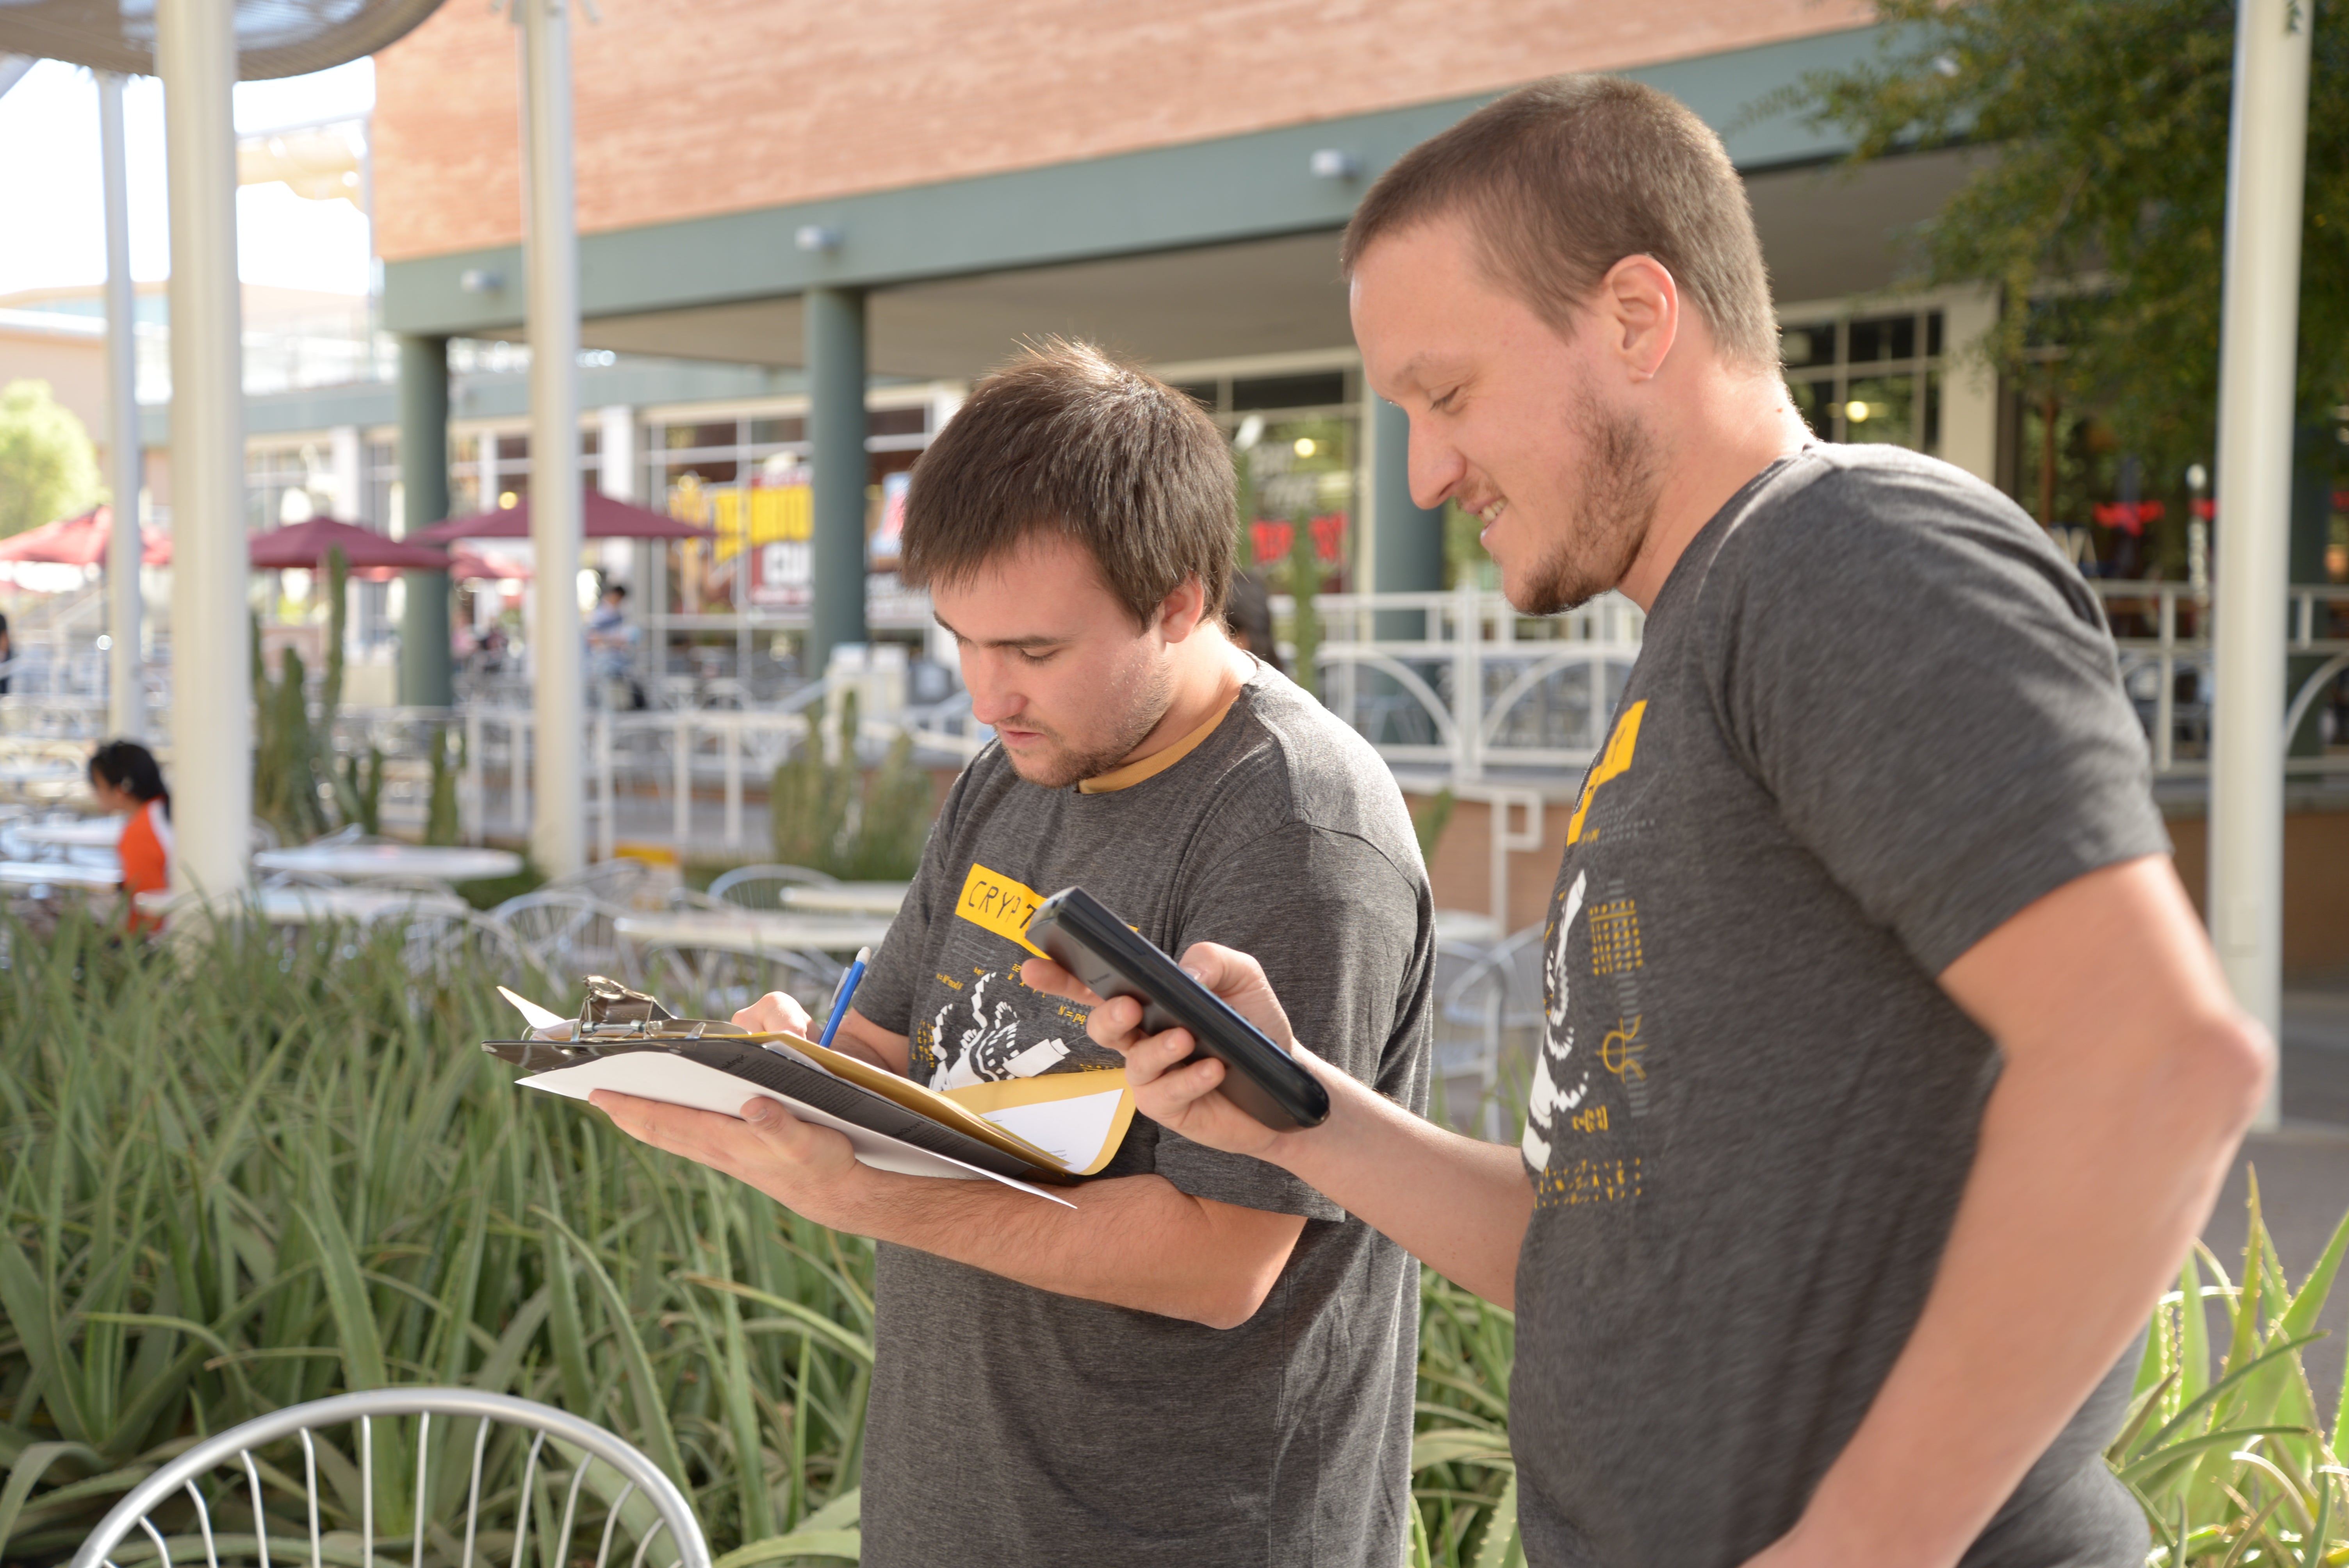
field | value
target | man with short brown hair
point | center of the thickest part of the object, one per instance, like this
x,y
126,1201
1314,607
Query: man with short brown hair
x,y
1205,1363
1887,1073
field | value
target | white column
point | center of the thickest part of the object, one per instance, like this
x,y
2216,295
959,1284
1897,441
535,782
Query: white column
x,y
616,447
343,458
2257,338
212,700
125,462
1969,385
558,833
616,476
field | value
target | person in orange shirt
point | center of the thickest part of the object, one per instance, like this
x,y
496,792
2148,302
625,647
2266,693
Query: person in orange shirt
x,y
126,779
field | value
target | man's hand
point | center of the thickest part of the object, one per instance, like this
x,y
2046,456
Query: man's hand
x,y
1176,1095
779,1013
1456,1204
809,1170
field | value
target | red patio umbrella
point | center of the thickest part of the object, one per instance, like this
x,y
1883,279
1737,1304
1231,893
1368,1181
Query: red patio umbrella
x,y
304,546
606,519
480,566
81,542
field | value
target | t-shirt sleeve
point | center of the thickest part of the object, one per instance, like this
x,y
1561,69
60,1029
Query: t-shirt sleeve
x,y
1336,926
885,994
1929,691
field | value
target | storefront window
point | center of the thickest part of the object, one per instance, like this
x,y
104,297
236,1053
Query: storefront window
x,y
1869,379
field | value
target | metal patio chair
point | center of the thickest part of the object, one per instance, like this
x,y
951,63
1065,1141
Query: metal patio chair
x,y
761,887
1488,1017
437,942
614,881
719,982
285,1499
573,932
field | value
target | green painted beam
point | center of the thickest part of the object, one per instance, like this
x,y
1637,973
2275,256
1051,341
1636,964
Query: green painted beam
x,y
836,461
373,405
1219,192
425,677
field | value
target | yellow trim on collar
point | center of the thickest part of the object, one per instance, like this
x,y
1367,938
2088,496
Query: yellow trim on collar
x,y
1157,762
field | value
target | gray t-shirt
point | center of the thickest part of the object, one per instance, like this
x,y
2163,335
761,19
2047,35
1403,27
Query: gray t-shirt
x,y
1010,1425
1875,716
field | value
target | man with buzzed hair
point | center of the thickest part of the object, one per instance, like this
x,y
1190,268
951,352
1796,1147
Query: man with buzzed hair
x,y
1205,1363
1886,1072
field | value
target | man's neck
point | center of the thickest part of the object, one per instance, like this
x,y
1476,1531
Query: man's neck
x,y
1737,427
1208,674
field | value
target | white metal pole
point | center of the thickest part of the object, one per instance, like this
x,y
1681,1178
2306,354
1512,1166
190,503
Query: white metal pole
x,y
212,702
125,465
558,833
2258,336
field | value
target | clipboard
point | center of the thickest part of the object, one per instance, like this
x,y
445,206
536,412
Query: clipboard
x,y
626,1041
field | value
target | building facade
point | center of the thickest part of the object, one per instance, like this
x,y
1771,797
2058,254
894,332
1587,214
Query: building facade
x,y
941,182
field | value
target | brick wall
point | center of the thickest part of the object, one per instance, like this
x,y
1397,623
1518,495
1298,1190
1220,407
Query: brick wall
x,y
720,105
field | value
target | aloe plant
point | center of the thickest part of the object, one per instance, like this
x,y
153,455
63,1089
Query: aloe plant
x,y
249,1172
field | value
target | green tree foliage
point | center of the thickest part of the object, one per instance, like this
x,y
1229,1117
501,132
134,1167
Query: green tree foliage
x,y
2104,201
47,469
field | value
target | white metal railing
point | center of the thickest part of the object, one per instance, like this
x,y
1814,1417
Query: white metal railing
x,y
669,753
2162,632
1461,682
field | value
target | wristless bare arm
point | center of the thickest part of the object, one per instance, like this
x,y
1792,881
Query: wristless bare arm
x,y
1455,1203
2129,1079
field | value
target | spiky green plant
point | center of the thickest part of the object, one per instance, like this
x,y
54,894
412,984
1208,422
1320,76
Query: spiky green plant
x,y
838,818
242,1171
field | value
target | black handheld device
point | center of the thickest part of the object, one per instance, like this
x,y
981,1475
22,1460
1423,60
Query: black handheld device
x,y
1089,941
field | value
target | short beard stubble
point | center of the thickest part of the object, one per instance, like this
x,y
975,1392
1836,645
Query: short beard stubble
x,y
1609,518
1144,705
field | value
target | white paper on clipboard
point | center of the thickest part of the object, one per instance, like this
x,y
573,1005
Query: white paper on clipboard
x,y
679,1080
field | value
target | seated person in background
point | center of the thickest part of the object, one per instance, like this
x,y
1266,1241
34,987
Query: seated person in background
x,y
1202,1365
1247,620
126,779
612,646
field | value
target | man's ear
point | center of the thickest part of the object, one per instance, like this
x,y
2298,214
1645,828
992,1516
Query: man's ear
x,y
1638,307
1180,611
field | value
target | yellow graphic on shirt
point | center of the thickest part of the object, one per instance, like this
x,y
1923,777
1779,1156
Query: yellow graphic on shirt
x,y
993,901
1619,1048
1614,938
1600,1181
1613,763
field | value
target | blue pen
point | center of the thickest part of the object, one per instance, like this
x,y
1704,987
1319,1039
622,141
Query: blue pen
x,y
848,983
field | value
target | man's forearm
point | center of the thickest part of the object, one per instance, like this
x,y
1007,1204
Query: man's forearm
x,y
1459,1205
1137,1241
2091,1177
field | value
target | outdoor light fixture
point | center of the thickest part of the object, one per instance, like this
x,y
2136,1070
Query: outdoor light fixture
x,y
506,501
480,280
1335,163
1856,411
1304,446
818,238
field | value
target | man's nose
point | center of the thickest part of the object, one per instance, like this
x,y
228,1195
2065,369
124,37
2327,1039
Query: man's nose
x,y
992,698
1436,467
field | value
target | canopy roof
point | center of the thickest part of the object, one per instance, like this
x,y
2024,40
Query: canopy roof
x,y
306,545
274,38
606,519
81,542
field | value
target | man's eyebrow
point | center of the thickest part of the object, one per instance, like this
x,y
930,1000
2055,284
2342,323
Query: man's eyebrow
x,y
1034,640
